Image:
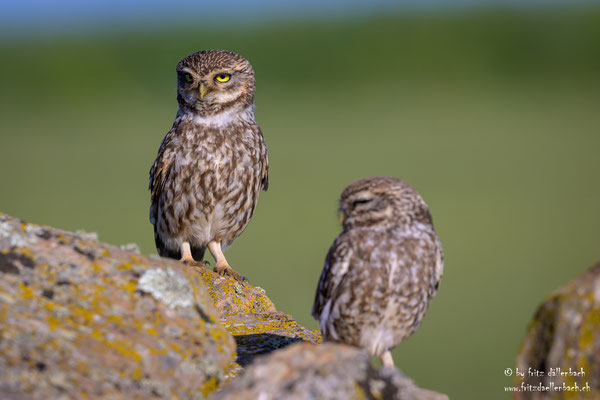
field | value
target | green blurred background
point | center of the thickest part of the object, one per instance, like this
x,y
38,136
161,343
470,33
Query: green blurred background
x,y
492,113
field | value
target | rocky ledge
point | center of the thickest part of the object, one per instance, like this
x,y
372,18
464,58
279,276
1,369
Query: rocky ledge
x,y
83,319
562,346
326,371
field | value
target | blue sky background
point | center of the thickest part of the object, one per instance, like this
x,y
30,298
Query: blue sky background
x,y
64,16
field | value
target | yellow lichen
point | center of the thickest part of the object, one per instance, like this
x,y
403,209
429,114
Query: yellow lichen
x,y
590,329
82,313
137,374
130,286
27,252
115,318
175,347
151,331
209,386
124,267
53,322
159,352
27,291
123,347
97,335
96,267
3,311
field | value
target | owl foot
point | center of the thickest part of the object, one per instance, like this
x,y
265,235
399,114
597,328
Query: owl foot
x,y
222,267
187,259
194,263
226,270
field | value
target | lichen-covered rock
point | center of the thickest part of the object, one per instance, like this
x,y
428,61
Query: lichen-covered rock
x,y
564,336
250,316
231,297
305,371
257,334
81,319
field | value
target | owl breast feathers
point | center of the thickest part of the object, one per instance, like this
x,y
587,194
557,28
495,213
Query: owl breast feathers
x,y
212,164
382,270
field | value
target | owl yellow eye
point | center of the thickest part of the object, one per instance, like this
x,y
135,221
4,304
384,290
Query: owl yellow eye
x,y
189,78
223,78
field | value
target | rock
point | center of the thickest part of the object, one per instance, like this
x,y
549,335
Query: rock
x,y
81,319
326,371
248,314
259,334
231,297
565,335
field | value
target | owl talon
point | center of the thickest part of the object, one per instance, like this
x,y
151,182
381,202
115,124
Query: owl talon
x,y
193,263
228,271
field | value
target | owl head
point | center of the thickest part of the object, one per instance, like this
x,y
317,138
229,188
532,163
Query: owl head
x,y
382,201
210,82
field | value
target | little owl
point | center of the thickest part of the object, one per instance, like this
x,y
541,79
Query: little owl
x,y
212,164
382,270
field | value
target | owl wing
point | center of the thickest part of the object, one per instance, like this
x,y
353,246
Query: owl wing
x,y
265,177
157,175
336,265
265,161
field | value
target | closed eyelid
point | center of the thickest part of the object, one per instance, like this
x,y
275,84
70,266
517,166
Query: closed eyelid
x,y
362,200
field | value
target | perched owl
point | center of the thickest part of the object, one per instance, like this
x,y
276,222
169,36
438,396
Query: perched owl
x,y
382,270
212,164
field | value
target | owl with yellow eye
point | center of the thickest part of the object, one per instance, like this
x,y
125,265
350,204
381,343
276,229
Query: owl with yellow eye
x,y
212,164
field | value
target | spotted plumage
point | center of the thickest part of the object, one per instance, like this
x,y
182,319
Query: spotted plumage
x,y
382,270
212,164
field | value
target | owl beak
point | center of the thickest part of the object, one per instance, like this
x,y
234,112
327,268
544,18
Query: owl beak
x,y
341,217
202,89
